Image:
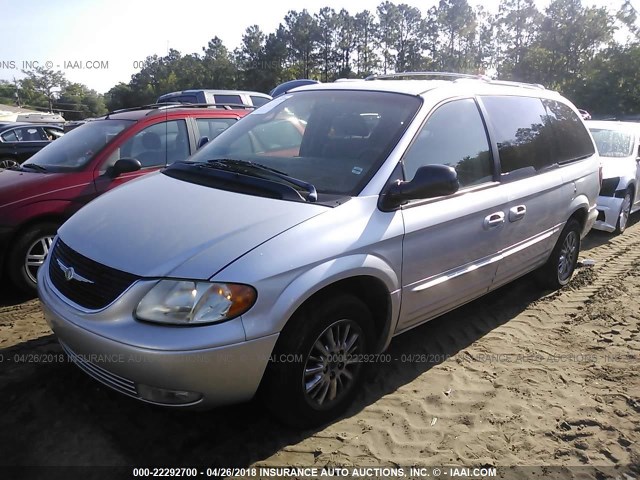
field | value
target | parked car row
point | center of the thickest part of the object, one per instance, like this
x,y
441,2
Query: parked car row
x,y
304,237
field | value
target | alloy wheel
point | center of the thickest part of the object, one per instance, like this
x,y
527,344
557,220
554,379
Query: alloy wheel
x,y
36,255
8,163
332,365
568,256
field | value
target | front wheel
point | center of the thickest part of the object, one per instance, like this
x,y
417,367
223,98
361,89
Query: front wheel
x,y
558,270
625,211
28,253
317,366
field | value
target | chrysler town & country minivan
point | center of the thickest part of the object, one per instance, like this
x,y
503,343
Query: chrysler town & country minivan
x,y
312,232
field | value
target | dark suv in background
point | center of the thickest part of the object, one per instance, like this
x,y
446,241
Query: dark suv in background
x,y
39,195
18,141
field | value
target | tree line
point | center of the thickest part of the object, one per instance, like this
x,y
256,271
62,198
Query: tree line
x,y
569,47
45,89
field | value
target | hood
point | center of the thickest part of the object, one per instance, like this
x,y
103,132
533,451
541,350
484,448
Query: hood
x,y
16,185
159,226
618,167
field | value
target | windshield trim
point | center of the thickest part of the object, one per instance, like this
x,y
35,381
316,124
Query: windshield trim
x,y
200,173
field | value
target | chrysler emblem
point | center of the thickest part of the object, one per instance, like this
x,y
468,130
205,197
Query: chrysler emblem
x,y
70,273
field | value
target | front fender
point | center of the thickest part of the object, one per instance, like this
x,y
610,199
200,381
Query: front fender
x,y
268,317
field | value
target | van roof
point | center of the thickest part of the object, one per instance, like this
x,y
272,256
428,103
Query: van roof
x,y
457,84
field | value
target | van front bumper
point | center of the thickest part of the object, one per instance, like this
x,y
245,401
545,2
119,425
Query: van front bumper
x,y
170,375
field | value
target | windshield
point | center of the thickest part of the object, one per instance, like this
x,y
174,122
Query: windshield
x,y
333,140
75,149
613,143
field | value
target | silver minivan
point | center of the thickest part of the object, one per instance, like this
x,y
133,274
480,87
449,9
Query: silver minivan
x,y
288,252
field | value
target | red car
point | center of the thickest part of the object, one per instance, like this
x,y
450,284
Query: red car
x,y
38,196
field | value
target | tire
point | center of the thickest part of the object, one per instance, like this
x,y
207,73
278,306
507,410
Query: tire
x,y
559,269
625,211
8,163
35,243
303,401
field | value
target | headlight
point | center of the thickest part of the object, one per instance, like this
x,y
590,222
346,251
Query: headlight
x,y
187,302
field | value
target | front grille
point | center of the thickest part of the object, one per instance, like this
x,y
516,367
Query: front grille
x,y
112,380
104,284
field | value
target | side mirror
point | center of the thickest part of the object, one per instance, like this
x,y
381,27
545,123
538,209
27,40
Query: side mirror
x,y
429,181
124,165
203,141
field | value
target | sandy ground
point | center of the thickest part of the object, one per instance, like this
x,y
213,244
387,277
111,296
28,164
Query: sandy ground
x,y
520,377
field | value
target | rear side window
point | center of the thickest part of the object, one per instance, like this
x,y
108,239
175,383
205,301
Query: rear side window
x,y
571,139
258,101
522,132
229,99
10,136
179,99
454,135
212,127
25,134
157,145
53,133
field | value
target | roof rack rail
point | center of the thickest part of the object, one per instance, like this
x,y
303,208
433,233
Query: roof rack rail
x,y
446,75
454,77
166,105
537,86
225,106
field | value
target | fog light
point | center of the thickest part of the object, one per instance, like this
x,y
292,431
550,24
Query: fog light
x,y
168,397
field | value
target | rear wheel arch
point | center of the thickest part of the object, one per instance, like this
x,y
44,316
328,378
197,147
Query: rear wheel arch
x,y
580,215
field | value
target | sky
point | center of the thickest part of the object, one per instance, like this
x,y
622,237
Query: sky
x,y
102,42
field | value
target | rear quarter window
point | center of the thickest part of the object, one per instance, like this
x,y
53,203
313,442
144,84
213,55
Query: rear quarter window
x,y
229,99
258,101
522,132
571,138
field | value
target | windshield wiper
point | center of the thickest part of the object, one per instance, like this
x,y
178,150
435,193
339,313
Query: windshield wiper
x,y
241,166
35,166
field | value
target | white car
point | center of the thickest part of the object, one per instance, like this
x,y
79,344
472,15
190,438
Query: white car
x,y
617,144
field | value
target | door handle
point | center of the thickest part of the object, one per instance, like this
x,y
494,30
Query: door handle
x,y
516,213
494,220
